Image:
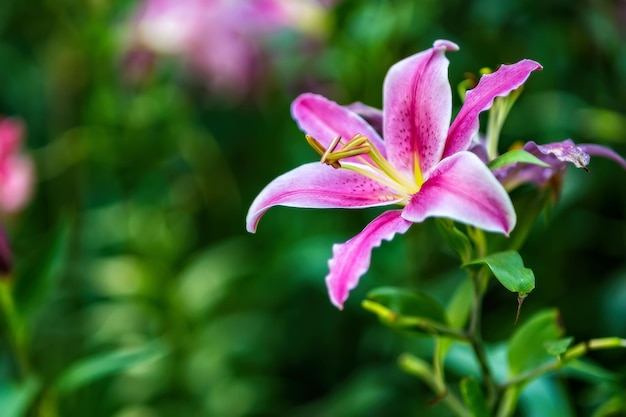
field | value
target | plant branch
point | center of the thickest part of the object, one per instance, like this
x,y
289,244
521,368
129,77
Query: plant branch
x,y
14,326
421,369
570,354
411,322
475,338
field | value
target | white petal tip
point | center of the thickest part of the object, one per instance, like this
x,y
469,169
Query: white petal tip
x,y
444,45
251,224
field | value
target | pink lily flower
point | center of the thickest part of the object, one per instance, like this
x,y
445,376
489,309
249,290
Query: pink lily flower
x,y
422,165
16,170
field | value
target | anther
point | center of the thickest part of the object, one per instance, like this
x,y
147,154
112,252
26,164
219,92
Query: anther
x,y
315,144
357,145
331,148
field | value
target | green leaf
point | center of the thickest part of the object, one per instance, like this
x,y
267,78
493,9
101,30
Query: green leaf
x,y
40,272
16,399
460,304
457,240
105,364
615,406
404,309
527,345
588,371
457,310
474,398
546,397
509,269
512,157
558,347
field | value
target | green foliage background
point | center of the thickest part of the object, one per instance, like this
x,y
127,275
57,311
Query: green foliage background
x,y
134,250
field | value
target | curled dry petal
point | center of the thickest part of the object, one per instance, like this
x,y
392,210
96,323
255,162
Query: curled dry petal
x,y
603,151
557,155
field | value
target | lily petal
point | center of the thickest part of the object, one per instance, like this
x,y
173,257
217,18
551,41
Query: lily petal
x,y
498,84
324,119
372,115
352,259
565,151
462,188
417,104
315,185
599,150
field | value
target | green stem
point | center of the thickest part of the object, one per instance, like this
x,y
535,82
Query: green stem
x,y
15,328
513,386
572,353
476,341
480,279
508,403
48,404
497,115
423,324
419,368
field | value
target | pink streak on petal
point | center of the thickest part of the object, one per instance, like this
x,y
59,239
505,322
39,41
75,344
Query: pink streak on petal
x,y
418,104
603,151
352,259
462,188
316,185
498,84
324,119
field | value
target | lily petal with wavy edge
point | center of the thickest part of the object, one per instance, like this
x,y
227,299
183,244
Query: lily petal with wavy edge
x,y
422,164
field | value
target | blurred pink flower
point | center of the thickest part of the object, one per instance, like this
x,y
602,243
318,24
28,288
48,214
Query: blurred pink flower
x,y
422,164
16,169
222,39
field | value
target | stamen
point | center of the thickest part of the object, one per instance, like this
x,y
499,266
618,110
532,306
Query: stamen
x,y
342,154
331,148
375,167
315,144
355,141
357,145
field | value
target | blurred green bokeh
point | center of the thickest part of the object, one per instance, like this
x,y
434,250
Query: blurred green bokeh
x,y
134,250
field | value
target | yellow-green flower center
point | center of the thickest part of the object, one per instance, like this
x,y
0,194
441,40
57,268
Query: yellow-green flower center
x,y
377,167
